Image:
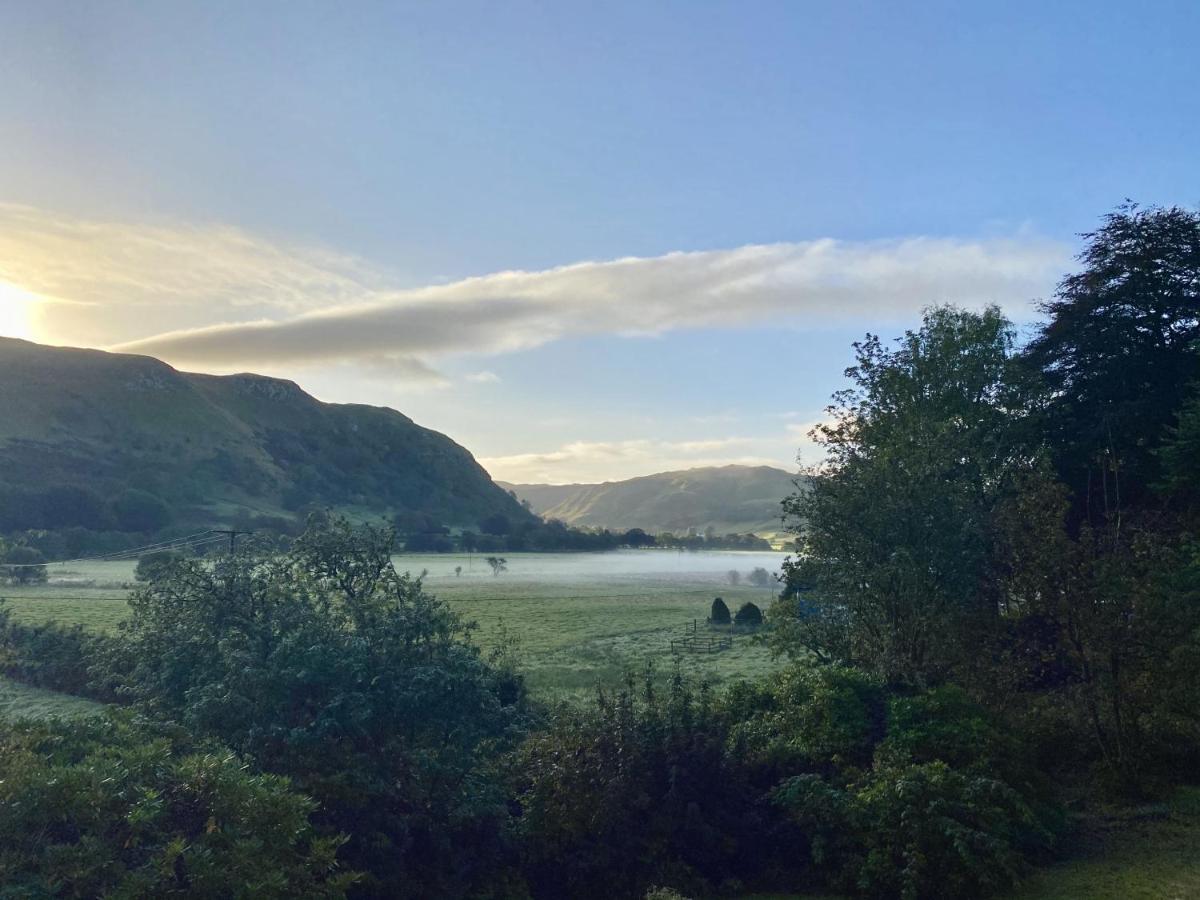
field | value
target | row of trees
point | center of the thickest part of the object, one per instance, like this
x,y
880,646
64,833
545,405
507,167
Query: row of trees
x,y
1023,520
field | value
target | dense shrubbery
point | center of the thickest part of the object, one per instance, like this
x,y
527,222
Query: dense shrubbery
x,y
51,656
327,666
115,808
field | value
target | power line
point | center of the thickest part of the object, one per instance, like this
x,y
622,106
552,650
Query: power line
x,y
197,539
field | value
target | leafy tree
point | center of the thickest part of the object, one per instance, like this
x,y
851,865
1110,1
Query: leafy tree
x,y
719,614
748,614
734,577
497,523
895,556
1119,350
113,807
326,665
25,565
152,565
498,563
759,577
138,510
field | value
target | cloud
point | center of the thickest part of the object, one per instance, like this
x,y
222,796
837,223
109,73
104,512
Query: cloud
x,y
590,461
220,299
484,377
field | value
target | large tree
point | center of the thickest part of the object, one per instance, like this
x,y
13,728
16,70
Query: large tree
x,y
894,531
1119,348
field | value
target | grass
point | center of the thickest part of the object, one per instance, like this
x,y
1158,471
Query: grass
x,y
1139,854
578,619
20,701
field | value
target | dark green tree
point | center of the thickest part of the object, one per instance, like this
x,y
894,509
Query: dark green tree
x,y
749,615
896,555
719,614
1119,349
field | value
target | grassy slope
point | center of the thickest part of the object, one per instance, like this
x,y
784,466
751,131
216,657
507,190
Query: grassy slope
x,y
728,498
207,443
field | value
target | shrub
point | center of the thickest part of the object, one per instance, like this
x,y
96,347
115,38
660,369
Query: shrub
x,y
112,807
635,792
719,615
154,565
25,565
748,614
138,510
326,665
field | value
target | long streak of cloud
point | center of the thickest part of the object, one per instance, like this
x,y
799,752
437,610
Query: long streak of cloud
x,y
230,300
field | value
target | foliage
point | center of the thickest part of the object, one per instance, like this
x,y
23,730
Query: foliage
x,y
49,655
749,615
327,666
894,533
1120,351
25,565
154,565
118,808
142,511
719,613
498,564
635,792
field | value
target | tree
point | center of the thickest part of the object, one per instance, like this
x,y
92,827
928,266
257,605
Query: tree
x,y
152,565
497,524
749,615
138,510
457,571
498,563
25,565
759,577
1119,350
719,614
326,665
636,537
734,577
894,528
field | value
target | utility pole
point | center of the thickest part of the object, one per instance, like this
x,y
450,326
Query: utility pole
x,y
232,536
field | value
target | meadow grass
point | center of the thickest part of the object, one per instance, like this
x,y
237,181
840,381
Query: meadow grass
x,y
21,701
577,620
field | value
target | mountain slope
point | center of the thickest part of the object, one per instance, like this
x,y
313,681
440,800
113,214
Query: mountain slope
x,y
725,498
210,444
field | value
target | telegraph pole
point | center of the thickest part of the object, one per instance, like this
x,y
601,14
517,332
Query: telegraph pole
x,y
233,534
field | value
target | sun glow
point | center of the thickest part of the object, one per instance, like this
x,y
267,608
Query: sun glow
x,y
16,311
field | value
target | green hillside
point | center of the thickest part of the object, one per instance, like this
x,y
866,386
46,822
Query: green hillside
x,y
724,498
82,431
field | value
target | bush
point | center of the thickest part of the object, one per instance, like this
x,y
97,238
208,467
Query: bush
x,y
155,565
326,665
115,808
719,615
48,655
638,791
138,510
25,565
748,614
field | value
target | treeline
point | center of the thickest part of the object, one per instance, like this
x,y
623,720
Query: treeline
x,y
499,534
1024,521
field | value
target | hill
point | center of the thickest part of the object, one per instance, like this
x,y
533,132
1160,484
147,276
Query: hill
x,y
83,432
725,498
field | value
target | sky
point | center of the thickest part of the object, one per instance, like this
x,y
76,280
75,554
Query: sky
x,y
586,241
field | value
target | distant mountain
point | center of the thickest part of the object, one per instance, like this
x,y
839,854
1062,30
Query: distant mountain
x,y
81,428
726,498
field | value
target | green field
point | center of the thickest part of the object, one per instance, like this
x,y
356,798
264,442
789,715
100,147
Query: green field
x,y
22,701
577,618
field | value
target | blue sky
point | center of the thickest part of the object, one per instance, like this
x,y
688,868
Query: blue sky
x,y
225,184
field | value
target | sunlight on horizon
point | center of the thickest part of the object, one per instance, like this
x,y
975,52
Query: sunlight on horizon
x,y
16,311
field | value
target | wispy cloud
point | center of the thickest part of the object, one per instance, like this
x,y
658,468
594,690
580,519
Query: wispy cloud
x,y
219,298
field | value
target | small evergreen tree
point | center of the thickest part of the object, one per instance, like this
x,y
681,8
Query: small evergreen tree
x,y
748,614
719,615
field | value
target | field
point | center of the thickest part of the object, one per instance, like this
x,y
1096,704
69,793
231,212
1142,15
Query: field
x,y
577,618
22,701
